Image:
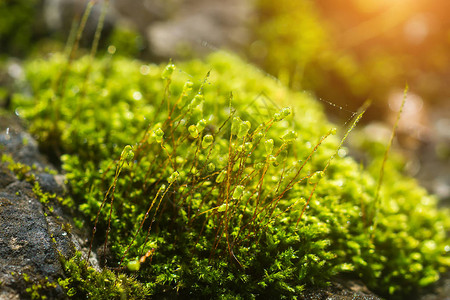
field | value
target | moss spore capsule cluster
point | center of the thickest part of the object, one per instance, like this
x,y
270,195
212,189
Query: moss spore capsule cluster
x,y
251,202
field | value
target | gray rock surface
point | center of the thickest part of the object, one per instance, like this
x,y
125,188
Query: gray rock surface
x,y
32,236
171,28
341,289
26,245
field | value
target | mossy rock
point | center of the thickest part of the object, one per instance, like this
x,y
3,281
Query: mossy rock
x,y
212,180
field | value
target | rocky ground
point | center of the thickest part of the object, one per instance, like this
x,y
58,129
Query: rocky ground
x,y
32,235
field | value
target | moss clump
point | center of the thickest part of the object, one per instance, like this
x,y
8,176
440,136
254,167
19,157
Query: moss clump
x,y
36,290
203,185
86,282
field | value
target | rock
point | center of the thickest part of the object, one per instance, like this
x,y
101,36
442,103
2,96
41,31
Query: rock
x,y
32,236
26,245
60,14
341,288
171,28
439,290
20,144
200,27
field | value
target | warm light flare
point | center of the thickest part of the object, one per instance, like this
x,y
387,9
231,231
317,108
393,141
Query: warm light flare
x,y
372,6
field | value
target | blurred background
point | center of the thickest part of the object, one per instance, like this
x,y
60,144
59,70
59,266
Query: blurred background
x,y
342,52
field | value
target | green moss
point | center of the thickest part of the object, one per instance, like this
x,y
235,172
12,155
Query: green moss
x,y
200,174
85,282
22,171
27,173
38,290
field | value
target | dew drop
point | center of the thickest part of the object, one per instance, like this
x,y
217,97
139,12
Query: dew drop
x,y
75,90
15,70
342,152
144,70
137,95
112,49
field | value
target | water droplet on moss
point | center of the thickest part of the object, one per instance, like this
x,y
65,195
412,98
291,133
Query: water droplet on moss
x,y
144,70
111,49
342,152
137,95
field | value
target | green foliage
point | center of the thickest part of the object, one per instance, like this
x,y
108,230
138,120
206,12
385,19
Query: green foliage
x,y
85,282
202,186
37,289
17,25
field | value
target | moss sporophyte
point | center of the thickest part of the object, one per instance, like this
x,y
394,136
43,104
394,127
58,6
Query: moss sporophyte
x,y
218,181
